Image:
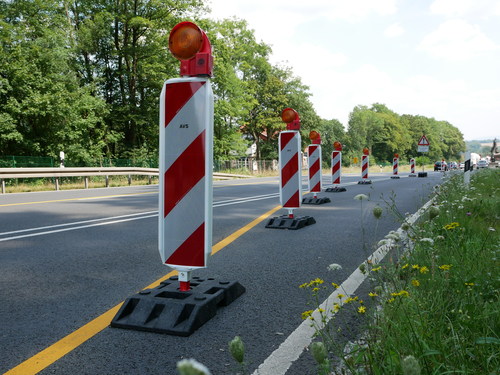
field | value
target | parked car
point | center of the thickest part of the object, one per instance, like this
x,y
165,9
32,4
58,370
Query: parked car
x,y
482,164
462,165
437,166
453,165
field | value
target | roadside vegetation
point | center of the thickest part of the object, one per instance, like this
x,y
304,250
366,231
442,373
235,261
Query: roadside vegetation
x,y
436,309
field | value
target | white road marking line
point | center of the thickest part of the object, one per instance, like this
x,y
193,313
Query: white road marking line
x,y
290,350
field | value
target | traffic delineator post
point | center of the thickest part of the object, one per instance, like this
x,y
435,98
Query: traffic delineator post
x,y
412,168
290,164
314,170
336,163
365,161
395,167
185,197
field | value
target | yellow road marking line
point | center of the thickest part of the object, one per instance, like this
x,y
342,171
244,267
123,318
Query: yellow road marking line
x,y
75,199
70,342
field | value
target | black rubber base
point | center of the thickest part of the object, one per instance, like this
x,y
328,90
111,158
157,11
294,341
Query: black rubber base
x,y
364,182
395,177
315,200
284,222
422,174
336,189
165,309
412,175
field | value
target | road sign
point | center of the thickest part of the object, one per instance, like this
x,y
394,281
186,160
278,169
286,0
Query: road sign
x,y
423,144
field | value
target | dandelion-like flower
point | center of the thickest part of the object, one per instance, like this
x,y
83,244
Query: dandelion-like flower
x,y
334,267
336,307
375,269
445,267
415,267
336,286
373,295
192,367
469,284
306,314
405,266
415,283
361,197
424,269
361,309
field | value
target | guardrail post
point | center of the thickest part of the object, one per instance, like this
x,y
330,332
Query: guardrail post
x,y
3,186
86,182
129,180
150,180
57,183
107,181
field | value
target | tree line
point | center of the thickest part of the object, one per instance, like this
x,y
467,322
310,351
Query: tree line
x,y
85,76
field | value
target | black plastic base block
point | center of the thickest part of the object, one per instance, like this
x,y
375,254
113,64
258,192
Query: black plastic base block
x,y
422,174
165,309
336,189
285,222
364,182
395,177
315,200
412,175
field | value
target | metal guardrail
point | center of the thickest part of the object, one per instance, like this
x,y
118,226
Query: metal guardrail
x,y
86,172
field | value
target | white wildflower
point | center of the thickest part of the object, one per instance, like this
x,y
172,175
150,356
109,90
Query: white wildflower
x,y
361,197
334,267
429,240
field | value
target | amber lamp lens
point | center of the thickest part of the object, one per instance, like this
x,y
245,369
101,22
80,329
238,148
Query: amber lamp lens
x,y
366,151
288,115
313,135
337,145
185,41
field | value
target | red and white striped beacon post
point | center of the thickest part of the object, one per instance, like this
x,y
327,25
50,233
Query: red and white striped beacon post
x,y
336,162
365,160
412,168
290,162
186,155
395,166
314,163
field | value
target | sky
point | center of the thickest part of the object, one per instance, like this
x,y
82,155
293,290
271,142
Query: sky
x,y
435,58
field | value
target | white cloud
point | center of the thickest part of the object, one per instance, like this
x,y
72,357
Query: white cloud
x,y
464,8
394,30
457,40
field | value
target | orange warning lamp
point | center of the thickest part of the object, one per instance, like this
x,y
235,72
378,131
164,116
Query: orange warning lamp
x,y
366,151
291,118
396,156
337,146
189,44
315,137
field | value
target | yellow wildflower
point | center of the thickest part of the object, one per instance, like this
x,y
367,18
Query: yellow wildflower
x,y
415,283
361,309
375,269
336,307
415,267
373,295
305,285
336,286
405,266
306,314
469,284
424,269
445,267
391,300
340,296
315,289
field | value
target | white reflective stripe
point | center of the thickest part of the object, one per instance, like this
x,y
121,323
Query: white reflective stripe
x,y
176,135
183,220
290,149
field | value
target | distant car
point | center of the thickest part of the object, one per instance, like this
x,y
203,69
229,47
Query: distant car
x,y
482,164
453,165
437,166
462,165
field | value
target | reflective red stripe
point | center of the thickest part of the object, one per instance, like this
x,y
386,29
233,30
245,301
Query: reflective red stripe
x,y
184,173
314,168
285,138
289,170
177,95
317,188
185,256
293,201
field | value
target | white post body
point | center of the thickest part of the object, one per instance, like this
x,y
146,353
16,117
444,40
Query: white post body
x,y
365,160
185,179
336,167
314,163
467,166
290,161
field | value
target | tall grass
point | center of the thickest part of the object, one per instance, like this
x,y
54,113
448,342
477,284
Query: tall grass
x,y
437,309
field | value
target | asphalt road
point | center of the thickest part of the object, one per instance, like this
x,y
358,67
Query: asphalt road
x,y
68,257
